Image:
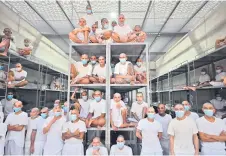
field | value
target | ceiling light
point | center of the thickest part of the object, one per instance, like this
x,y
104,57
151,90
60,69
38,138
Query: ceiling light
x,y
113,15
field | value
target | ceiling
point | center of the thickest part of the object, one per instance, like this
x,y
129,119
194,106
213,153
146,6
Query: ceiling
x,y
166,22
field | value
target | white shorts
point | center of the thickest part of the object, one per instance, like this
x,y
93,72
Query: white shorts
x,y
13,149
73,149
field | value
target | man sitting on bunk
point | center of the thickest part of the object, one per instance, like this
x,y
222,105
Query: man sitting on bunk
x,y
137,35
5,41
81,34
93,30
113,24
220,42
97,111
122,31
19,77
27,48
140,71
84,70
99,72
103,35
119,113
93,61
124,71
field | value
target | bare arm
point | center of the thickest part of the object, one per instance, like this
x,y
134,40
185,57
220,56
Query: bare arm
x,y
15,128
205,137
67,135
47,128
111,121
220,138
73,36
196,143
172,145
33,135
138,134
135,116
79,136
160,135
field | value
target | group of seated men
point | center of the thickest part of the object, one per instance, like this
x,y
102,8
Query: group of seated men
x,y
7,40
61,131
120,33
84,72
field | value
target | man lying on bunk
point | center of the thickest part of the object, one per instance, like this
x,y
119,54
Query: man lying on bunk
x,y
81,71
137,35
81,34
220,42
97,111
119,113
124,71
99,72
103,35
5,41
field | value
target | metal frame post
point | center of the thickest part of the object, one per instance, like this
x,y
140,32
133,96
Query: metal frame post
x,y
148,77
6,88
69,79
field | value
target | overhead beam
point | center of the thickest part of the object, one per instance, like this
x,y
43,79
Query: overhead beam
x,y
58,3
165,23
119,7
146,14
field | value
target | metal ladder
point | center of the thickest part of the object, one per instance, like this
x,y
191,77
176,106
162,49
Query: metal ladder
x,y
62,94
42,80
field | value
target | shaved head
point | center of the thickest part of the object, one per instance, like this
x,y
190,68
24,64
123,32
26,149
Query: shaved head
x,y
45,109
122,55
185,103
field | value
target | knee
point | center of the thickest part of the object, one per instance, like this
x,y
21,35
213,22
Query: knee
x,y
118,80
93,39
92,79
85,81
101,122
124,111
112,80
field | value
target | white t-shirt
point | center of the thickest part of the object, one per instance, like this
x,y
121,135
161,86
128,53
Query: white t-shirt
x,y
39,130
72,127
54,83
3,129
84,107
90,20
212,128
8,106
121,69
183,131
204,78
138,108
220,76
18,75
100,71
17,136
193,116
82,70
103,151
218,104
29,127
116,113
140,69
224,121
123,30
150,140
164,120
97,108
125,151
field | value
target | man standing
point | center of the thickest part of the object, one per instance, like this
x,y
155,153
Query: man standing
x,y
53,129
150,131
120,148
38,139
8,104
73,134
89,17
183,134
164,119
188,113
16,123
212,132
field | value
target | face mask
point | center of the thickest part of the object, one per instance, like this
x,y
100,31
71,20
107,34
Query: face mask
x,y
65,109
18,69
208,112
151,115
179,114
138,63
56,114
16,109
120,145
122,60
73,117
10,97
203,73
187,108
219,98
96,147
93,62
1,67
84,98
112,65
97,98
218,71
55,105
89,11
44,115
84,62
106,26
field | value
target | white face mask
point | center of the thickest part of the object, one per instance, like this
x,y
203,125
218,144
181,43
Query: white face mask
x,y
203,73
218,71
18,69
84,98
219,98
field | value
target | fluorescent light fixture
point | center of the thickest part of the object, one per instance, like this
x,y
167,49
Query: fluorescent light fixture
x,y
113,15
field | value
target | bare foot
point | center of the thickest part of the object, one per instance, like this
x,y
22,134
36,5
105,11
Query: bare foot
x,y
3,54
192,88
185,88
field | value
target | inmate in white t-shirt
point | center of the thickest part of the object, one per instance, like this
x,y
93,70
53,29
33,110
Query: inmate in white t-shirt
x,y
72,127
8,106
18,75
83,70
123,30
30,126
220,76
183,131
140,69
100,71
218,104
204,78
150,140
193,116
84,107
117,113
97,108
212,128
17,119
38,126
164,120
120,152
138,108
121,69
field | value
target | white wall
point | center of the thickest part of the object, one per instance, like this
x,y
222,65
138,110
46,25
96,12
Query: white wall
x,y
196,42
